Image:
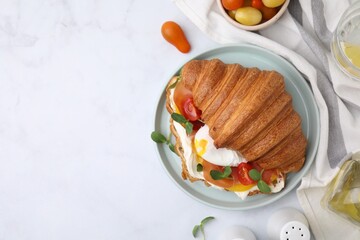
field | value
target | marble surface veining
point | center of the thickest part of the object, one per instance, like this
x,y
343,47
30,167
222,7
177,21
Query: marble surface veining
x,y
79,82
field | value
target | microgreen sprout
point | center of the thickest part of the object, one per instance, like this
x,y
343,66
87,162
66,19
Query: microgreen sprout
x,y
182,120
160,138
199,167
201,227
257,176
218,175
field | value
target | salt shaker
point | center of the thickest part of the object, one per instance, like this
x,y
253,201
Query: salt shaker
x,y
288,224
237,233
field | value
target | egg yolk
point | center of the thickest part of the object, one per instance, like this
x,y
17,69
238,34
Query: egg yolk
x,y
240,187
200,146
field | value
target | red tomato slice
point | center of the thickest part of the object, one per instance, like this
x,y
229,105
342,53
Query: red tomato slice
x,y
190,112
243,171
184,101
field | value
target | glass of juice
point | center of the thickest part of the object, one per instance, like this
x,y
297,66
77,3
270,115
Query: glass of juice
x,y
345,46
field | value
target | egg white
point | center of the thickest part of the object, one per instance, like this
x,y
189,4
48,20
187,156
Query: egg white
x,y
205,148
191,156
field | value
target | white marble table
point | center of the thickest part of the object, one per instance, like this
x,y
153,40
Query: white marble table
x,y
78,88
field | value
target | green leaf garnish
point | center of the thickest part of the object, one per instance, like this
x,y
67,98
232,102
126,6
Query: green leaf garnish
x,y
217,175
195,230
201,227
254,174
188,127
172,147
205,220
179,118
263,187
158,137
199,167
182,120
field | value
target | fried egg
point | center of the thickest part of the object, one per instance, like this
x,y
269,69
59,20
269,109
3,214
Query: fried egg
x,y
205,148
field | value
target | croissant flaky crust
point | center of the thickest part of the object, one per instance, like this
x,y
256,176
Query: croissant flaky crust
x,y
248,110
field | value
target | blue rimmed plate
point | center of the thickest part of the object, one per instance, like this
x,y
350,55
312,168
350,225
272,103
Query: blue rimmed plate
x,y
303,102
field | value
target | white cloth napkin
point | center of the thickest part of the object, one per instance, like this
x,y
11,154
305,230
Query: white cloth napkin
x,y
302,36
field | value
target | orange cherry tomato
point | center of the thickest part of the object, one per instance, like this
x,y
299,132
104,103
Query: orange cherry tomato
x,y
173,33
232,4
258,4
268,13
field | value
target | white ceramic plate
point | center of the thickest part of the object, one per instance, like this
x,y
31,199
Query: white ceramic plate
x,y
303,102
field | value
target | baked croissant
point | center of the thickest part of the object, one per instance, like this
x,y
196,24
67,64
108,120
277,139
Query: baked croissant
x,y
244,120
247,110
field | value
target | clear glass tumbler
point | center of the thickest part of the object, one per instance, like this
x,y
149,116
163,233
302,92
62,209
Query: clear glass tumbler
x,y
345,46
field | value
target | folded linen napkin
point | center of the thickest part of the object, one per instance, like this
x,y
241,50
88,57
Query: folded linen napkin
x,y
302,36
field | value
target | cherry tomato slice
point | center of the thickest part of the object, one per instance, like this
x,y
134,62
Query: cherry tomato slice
x,y
184,101
243,170
190,112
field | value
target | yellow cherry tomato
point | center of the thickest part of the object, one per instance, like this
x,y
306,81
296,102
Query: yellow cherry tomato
x,y
248,16
273,3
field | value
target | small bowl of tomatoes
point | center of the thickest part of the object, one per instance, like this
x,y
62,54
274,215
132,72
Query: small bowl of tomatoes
x,y
252,15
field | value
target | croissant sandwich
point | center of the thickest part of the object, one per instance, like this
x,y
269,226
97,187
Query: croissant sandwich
x,y
235,127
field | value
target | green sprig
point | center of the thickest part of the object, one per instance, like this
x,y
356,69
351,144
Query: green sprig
x,y
182,120
263,187
199,167
201,227
160,138
218,175
254,174
261,184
